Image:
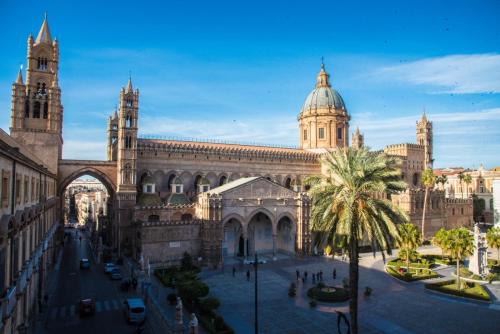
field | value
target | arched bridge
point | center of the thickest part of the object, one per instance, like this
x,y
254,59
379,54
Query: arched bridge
x,y
70,170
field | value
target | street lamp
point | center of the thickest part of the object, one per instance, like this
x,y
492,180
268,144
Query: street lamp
x,y
256,264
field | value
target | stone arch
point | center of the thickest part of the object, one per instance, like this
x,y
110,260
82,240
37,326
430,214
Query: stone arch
x,y
234,176
233,243
169,178
286,234
213,179
222,178
158,176
187,179
260,232
287,182
102,177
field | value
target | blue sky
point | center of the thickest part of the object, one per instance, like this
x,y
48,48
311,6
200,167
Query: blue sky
x,y
240,70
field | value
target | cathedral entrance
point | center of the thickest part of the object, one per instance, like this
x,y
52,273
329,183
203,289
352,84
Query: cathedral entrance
x,y
233,244
260,234
285,240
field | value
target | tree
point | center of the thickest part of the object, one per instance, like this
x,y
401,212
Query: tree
x,y
442,179
440,238
410,239
428,180
459,243
467,180
493,239
461,178
347,207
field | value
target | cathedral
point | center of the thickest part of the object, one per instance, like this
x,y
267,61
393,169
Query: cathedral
x,y
215,201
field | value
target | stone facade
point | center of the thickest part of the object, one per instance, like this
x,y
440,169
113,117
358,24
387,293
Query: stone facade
x,y
213,199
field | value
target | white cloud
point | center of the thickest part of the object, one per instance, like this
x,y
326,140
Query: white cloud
x,y
457,74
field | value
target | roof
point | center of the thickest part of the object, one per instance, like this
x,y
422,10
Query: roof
x,y
187,146
177,199
323,95
232,185
44,33
129,86
149,199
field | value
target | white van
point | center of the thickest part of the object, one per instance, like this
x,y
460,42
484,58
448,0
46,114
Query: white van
x,y
135,310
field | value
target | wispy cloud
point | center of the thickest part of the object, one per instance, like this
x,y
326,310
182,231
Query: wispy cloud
x,y
455,74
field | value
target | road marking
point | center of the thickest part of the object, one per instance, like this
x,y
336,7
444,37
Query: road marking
x,y
53,313
106,305
98,307
62,312
72,310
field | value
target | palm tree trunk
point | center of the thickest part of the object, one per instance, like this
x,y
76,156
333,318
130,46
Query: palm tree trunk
x,y
498,254
353,283
407,261
423,212
458,274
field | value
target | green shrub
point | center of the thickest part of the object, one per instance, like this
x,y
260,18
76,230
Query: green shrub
x,y
192,290
320,285
187,262
471,290
209,304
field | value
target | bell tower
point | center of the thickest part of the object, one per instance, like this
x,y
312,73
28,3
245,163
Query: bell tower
x,y
126,157
424,137
37,112
358,140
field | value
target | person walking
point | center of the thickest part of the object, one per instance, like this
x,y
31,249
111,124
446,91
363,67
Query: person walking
x,y
321,275
134,283
234,271
334,273
298,274
248,275
305,275
314,278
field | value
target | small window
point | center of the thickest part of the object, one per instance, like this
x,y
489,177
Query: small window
x,y
45,110
27,108
178,189
149,188
18,191
26,189
305,134
339,133
462,211
321,133
5,189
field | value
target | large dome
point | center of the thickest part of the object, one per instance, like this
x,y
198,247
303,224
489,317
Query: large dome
x,y
323,96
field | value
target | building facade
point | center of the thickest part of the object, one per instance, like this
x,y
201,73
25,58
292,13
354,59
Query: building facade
x,y
214,200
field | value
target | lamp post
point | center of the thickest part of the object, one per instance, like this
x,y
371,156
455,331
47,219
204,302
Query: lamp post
x,y
256,264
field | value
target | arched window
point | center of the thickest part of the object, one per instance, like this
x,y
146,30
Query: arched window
x,y
27,108
196,182
288,182
128,121
45,110
222,180
128,103
153,218
36,109
415,179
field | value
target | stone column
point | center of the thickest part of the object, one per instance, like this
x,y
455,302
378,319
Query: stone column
x,y
274,246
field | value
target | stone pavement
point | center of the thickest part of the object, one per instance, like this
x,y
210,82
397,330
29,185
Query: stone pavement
x,y
393,307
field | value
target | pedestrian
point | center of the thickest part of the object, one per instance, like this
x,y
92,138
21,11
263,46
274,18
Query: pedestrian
x,y
334,273
80,239
134,283
303,280
234,271
248,275
314,278
321,275
305,275
298,274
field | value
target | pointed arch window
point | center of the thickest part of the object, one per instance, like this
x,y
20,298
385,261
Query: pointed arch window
x,y
36,109
45,110
127,174
27,108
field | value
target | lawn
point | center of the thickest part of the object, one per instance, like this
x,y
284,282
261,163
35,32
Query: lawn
x,y
412,275
469,290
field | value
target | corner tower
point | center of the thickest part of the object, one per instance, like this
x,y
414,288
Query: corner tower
x,y
323,120
37,112
424,137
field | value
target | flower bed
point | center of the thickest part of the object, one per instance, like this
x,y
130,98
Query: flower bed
x,y
330,294
470,290
412,275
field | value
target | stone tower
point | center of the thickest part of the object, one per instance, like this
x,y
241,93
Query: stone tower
x,y
323,120
358,140
424,137
37,113
126,162
112,136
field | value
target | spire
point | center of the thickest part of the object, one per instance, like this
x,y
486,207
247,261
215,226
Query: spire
x,y
424,117
19,79
44,33
129,84
115,114
322,79
357,131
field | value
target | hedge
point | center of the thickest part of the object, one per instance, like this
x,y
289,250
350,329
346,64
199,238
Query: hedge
x,y
450,287
410,277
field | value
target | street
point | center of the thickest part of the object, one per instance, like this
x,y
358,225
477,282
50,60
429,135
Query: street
x,y
74,284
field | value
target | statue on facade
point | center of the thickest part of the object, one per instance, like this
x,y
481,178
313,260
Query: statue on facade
x,y
193,324
178,315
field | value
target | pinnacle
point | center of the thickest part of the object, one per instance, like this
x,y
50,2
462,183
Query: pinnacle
x,y
19,79
44,33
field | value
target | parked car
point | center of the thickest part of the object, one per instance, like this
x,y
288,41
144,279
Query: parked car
x,y
84,264
135,310
108,267
116,274
86,307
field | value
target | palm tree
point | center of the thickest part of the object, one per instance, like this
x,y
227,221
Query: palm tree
x,y
442,179
461,178
460,243
439,239
467,180
410,240
493,239
428,180
347,207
